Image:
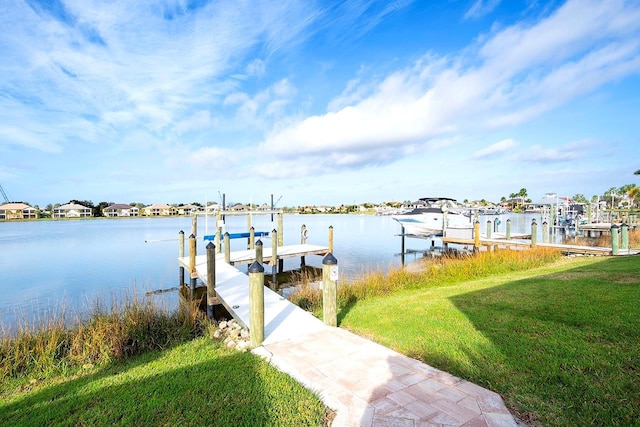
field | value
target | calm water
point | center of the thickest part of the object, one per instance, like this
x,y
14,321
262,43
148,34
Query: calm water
x,y
49,265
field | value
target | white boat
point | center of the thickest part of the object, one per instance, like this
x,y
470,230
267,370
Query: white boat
x,y
431,215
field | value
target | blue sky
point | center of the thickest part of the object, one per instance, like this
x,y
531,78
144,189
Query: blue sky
x,y
318,102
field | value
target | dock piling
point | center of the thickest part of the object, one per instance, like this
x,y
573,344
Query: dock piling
x,y
615,246
181,255
402,249
227,248
534,233
259,251
545,232
331,239
303,241
508,229
256,304
193,274
212,297
274,259
624,231
280,230
476,236
252,238
329,290
194,224
488,229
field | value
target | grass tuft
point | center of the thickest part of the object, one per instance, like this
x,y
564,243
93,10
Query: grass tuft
x,y
125,330
434,272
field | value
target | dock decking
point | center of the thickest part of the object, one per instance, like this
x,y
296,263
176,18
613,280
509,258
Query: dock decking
x,y
282,319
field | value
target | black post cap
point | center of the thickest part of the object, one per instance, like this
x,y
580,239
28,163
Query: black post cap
x,y
211,246
329,260
256,267
259,242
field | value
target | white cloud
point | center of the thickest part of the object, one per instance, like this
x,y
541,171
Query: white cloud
x,y
264,106
514,75
481,8
567,152
256,68
495,149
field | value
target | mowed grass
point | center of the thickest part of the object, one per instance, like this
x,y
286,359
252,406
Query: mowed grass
x,y
195,383
560,343
135,364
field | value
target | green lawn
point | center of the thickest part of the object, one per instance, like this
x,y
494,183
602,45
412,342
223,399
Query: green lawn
x,y
560,343
196,383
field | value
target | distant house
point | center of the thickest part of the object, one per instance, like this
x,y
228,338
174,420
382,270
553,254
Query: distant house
x,y
188,209
120,210
239,207
213,207
72,210
159,209
17,211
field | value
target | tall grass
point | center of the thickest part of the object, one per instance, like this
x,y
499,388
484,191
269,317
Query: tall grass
x,y
127,329
433,272
605,239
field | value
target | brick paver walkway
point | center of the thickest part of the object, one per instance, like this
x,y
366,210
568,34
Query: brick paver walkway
x,y
370,385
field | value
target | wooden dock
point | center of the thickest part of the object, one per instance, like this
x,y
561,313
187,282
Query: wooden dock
x,y
282,319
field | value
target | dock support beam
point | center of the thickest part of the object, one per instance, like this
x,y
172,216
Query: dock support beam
x,y
615,246
227,248
256,304
331,239
330,290
402,245
624,232
259,251
274,259
181,255
212,296
218,231
476,236
303,241
534,233
193,274
280,230
509,229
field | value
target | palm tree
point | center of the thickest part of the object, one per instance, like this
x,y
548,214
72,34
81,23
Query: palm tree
x,y
634,194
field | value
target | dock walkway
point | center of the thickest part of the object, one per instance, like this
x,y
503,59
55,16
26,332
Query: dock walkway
x,y
366,383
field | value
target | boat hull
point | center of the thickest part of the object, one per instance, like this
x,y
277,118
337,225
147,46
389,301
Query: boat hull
x,y
430,224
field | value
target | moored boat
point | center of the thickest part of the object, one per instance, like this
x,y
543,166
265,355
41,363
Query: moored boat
x,y
431,215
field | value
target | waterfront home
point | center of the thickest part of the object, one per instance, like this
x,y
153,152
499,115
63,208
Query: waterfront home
x,y
72,210
120,210
188,209
159,209
213,207
17,211
549,200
